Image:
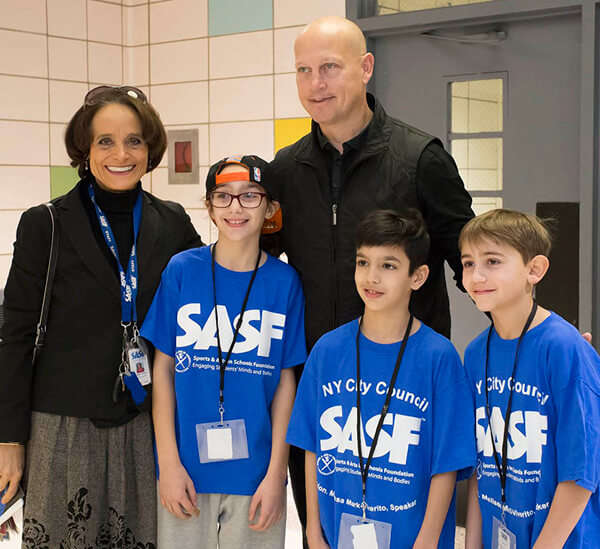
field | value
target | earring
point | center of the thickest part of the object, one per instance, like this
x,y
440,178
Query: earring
x,y
86,166
149,165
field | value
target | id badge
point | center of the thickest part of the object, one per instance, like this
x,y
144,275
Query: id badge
x,y
222,441
502,537
359,533
137,358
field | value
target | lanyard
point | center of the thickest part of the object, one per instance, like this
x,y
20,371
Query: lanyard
x,y
129,280
364,469
502,466
223,365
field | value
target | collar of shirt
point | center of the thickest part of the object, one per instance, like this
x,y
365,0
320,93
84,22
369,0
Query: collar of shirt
x,y
357,143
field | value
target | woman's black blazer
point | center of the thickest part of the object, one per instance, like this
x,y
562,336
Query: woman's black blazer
x,y
80,359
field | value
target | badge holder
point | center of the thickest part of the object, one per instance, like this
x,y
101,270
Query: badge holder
x,y
222,440
137,357
502,537
363,533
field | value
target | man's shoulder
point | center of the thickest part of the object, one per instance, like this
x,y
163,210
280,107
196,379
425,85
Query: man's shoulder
x,y
289,153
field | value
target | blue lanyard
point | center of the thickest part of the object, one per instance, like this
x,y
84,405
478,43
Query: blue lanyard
x,y
129,280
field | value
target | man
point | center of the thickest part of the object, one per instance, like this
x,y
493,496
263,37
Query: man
x,y
357,159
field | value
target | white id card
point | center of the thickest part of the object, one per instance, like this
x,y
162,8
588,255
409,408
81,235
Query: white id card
x,y
359,533
502,537
222,441
138,365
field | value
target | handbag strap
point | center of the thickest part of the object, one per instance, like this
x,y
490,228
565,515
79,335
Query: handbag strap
x,y
40,333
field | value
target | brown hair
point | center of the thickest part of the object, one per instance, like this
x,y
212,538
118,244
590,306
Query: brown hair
x,y
78,136
526,233
404,229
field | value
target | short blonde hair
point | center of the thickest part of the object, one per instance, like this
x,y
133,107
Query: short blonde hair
x,y
526,233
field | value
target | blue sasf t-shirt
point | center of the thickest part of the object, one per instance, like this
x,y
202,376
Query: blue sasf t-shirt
x,y
428,428
181,323
553,429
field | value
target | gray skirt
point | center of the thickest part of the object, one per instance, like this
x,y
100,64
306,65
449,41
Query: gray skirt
x,y
88,487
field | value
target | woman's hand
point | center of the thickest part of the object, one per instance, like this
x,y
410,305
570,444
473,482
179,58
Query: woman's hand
x,y
177,492
270,495
12,461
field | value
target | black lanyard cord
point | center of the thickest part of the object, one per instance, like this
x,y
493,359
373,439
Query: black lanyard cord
x,y
503,466
364,469
223,365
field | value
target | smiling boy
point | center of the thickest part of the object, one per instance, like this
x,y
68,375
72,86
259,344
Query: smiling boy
x,y
382,461
537,382
228,326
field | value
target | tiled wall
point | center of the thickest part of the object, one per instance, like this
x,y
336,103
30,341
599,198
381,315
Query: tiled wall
x,y
222,66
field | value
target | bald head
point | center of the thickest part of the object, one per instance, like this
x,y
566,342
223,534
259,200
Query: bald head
x,y
344,32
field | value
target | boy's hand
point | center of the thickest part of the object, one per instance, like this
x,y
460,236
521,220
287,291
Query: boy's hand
x,y
270,495
12,460
177,492
422,543
315,538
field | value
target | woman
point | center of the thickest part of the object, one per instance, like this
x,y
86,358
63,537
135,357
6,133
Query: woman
x,y
89,472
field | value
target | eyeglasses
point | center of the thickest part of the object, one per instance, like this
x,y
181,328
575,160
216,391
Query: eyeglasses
x,y
92,96
251,199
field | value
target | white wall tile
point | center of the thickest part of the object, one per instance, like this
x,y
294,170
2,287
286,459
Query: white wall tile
x,y
241,99
23,54
203,159
178,20
134,2
183,61
284,48
245,54
287,104
67,59
105,63
181,103
190,196
24,143
8,230
5,261
104,22
204,226
27,15
23,98
65,99
58,151
135,66
67,18
241,138
24,186
135,25
292,12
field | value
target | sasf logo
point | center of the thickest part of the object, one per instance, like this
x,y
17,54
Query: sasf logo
x,y
182,361
257,331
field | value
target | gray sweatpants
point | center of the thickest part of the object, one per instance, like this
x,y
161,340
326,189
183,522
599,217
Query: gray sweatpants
x,y
223,523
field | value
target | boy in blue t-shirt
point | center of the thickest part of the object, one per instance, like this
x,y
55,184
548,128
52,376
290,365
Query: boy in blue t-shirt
x,y
537,382
382,462
227,323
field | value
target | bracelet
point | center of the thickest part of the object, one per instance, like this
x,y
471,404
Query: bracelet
x,y
11,444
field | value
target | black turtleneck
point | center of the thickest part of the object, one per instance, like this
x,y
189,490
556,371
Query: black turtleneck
x,y
118,207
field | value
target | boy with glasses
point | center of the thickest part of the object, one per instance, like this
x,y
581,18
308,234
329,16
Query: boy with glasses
x,y
228,326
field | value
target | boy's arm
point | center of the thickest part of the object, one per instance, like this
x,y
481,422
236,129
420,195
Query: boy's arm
x,y
314,533
441,490
176,489
270,494
473,537
568,505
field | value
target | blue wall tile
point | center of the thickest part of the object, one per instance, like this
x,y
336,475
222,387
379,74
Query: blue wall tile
x,y
233,16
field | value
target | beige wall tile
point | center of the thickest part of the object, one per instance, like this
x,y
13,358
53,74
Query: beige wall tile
x,y
241,138
293,12
135,66
178,20
190,196
58,151
244,54
5,261
24,186
67,59
105,63
23,98
241,99
27,15
204,226
104,22
24,143
134,2
23,54
135,25
183,61
284,48
67,18
181,103
65,99
287,104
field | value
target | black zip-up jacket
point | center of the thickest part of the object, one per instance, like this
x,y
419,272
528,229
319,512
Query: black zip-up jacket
x,y
397,167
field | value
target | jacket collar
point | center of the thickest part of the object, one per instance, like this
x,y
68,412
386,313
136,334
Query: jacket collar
x,y
377,140
76,227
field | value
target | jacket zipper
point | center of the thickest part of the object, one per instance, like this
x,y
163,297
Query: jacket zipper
x,y
334,210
